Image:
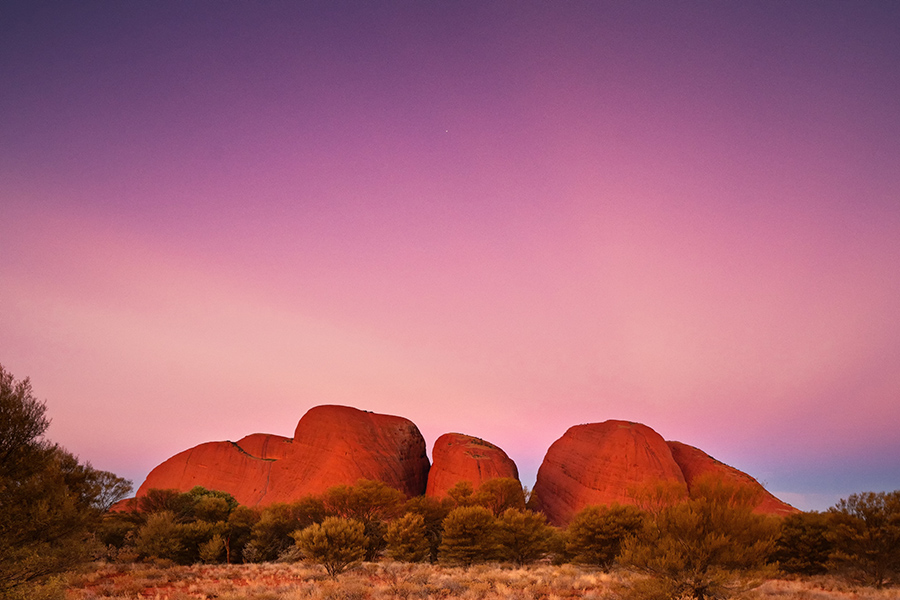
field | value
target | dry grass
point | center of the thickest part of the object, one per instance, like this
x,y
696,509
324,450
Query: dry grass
x,y
398,581
817,588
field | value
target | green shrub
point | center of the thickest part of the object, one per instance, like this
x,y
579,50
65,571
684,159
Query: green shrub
x,y
523,536
595,535
803,546
469,536
865,533
336,543
706,547
407,539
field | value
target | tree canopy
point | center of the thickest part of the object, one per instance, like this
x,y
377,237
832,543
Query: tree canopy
x,y
865,532
51,502
704,546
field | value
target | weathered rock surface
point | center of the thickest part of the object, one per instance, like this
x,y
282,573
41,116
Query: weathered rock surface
x,y
601,463
596,463
332,445
457,457
216,466
696,463
336,445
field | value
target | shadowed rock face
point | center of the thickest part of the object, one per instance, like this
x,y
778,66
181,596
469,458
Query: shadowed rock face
x,y
695,463
332,445
601,463
459,457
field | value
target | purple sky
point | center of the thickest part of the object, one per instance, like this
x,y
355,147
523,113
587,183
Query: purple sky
x,y
501,219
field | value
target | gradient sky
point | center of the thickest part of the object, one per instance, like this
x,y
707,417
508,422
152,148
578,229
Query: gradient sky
x,y
496,218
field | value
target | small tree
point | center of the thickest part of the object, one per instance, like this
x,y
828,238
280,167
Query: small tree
x,y
365,501
50,502
238,530
702,548
469,536
407,539
461,494
865,531
337,543
523,536
160,537
499,494
372,503
271,534
433,513
161,500
208,505
213,550
595,535
803,546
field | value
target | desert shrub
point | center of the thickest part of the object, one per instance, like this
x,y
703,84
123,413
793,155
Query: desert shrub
x,y
212,509
523,536
865,532
803,546
212,550
372,503
336,543
159,537
193,536
461,494
407,539
706,547
271,534
197,504
365,501
164,500
499,494
238,531
469,536
117,528
596,533
433,513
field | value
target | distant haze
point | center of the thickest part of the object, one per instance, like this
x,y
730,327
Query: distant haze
x,y
495,218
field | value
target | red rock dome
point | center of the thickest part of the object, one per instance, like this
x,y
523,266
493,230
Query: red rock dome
x,y
332,445
601,463
459,457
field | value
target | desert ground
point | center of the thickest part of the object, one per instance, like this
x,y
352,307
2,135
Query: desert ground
x,y
403,581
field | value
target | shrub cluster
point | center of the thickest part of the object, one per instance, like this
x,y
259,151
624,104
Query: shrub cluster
x,y
710,545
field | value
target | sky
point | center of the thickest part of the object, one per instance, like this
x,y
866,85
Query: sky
x,y
495,218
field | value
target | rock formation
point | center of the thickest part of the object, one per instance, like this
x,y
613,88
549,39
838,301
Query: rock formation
x,y
216,466
601,463
596,463
457,457
696,463
332,445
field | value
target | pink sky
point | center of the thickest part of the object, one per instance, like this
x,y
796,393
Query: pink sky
x,y
501,219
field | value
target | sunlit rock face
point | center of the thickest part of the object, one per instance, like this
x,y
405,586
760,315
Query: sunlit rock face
x,y
619,462
340,445
459,457
332,445
597,463
601,463
696,463
216,466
